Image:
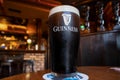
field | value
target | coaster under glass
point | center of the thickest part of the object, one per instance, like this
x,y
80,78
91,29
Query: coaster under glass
x,y
72,76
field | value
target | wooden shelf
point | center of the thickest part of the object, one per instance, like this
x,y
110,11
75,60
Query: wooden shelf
x,y
96,33
20,51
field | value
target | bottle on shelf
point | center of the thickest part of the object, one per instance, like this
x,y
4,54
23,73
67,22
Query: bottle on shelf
x,y
116,17
99,14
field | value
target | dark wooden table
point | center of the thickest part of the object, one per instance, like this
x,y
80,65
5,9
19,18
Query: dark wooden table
x,y
94,73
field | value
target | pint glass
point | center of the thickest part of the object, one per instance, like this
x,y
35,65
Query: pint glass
x,y
64,38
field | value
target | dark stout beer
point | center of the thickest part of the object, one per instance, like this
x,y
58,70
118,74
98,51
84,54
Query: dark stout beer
x,y
64,38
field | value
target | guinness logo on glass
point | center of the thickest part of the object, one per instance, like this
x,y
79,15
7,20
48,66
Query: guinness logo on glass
x,y
66,18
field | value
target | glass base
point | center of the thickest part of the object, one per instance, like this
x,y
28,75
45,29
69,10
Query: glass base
x,y
72,76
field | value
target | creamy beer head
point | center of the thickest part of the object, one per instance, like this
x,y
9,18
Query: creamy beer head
x,y
64,38
62,8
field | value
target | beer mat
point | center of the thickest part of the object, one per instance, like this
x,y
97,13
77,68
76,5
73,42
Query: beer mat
x,y
116,68
78,76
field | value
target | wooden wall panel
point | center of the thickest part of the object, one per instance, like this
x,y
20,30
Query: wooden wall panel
x,y
100,50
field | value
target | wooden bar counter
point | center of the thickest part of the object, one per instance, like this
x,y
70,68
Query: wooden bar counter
x,y
94,73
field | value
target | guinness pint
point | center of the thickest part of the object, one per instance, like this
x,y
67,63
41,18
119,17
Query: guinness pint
x,y
64,38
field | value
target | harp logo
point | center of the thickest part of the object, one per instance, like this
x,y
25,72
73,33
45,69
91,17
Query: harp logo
x,y
66,18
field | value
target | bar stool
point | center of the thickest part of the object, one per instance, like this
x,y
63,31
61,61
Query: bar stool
x,y
6,68
28,66
17,66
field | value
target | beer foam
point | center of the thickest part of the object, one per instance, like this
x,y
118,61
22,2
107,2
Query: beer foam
x,y
62,8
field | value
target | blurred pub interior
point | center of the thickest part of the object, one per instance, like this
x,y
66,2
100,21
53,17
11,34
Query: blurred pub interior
x,y
23,25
